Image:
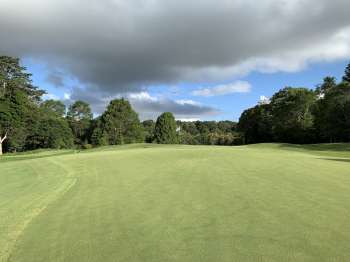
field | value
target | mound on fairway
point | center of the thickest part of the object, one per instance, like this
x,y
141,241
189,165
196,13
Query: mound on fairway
x,y
177,203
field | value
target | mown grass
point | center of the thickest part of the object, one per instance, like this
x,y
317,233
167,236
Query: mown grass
x,y
178,203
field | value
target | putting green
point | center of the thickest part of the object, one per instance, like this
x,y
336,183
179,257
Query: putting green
x,y
177,203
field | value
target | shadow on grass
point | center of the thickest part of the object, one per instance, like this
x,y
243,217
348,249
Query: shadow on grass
x,y
341,147
344,160
29,157
44,153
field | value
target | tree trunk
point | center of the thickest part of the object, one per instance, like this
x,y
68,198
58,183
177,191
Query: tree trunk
x,y
2,139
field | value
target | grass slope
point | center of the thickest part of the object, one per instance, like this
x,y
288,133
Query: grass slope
x,y
177,203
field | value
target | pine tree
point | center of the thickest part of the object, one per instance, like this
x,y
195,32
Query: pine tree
x,y
18,97
120,124
346,77
165,129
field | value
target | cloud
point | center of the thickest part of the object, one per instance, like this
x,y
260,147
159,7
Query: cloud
x,y
92,95
142,96
66,96
236,87
146,105
116,48
188,119
150,107
121,46
55,78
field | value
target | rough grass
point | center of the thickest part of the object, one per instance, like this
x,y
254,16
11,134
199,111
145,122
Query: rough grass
x,y
177,203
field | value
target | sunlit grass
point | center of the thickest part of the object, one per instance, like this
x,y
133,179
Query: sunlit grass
x,y
177,203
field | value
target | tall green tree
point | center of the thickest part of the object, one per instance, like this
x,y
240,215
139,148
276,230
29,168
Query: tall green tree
x,y
332,114
165,129
54,106
18,97
291,110
51,131
329,83
256,124
14,77
148,127
99,136
119,124
48,128
346,77
339,120
79,117
320,109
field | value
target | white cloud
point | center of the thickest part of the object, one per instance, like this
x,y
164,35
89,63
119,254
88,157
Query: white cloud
x,y
236,87
335,47
188,102
66,96
142,96
149,106
188,119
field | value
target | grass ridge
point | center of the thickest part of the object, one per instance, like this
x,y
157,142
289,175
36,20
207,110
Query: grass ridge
x,y
20,228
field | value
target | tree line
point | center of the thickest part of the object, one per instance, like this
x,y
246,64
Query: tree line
x,y
301,115
294,115
27,122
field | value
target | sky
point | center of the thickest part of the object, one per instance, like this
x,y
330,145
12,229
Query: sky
x,y
198,59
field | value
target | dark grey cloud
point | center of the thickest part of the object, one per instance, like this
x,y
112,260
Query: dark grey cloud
x,y
55,78
148,106
121,46
92,95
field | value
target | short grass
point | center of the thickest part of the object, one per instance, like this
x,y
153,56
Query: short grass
x,y
177,203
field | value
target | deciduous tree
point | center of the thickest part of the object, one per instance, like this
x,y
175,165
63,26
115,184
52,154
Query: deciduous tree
x,y
292,116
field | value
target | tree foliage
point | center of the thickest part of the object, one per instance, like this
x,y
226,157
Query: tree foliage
x,y
119,124
79,117
50,132
148,128
209,133
18,98
54,106
165,129
28,122
300,115
256,124
332,114
293,115
14,78
346,77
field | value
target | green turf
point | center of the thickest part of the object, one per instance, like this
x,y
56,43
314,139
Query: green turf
x,y
177,203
